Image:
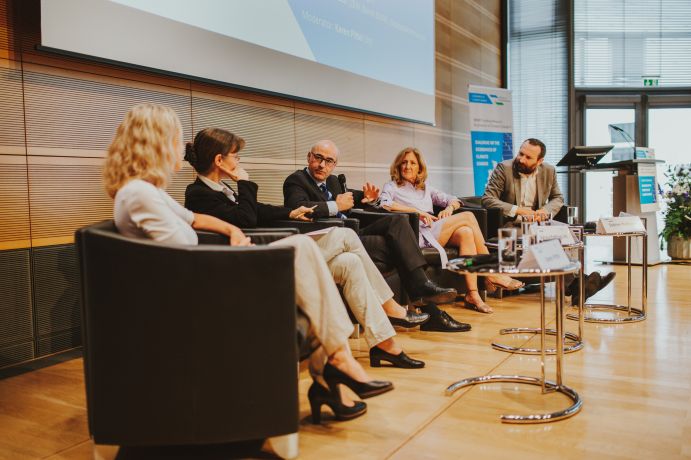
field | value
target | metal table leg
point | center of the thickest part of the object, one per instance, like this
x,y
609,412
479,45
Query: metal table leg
x,y
576,342
547,386
632,314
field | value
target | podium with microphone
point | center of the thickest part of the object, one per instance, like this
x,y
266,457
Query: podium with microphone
x,y
634,191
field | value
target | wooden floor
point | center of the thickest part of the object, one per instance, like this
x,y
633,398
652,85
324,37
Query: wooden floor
x,y
635,381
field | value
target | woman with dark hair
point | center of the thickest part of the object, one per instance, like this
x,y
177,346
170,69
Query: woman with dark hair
x,y
409,192
145,153
214,155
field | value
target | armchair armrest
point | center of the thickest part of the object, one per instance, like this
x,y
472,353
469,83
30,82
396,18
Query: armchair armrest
x,y
318,224
259,236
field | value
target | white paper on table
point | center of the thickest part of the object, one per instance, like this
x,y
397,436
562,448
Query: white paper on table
x,y
544,256
555,232
621,224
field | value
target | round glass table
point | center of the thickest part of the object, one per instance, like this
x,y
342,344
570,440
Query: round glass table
x,y
573,341
548,386
632,314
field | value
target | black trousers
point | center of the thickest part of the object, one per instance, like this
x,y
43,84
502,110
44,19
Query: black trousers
x,y
391,243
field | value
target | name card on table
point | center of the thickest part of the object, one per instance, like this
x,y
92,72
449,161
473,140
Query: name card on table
x,y
554,232
544,256
621,224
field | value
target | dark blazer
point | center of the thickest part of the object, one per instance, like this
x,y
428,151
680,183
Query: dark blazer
x,y
299,189
246,213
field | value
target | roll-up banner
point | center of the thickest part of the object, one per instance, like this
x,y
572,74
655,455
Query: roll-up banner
x,y
491,131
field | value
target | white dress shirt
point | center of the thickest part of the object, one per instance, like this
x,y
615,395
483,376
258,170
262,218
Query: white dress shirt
x,y
528,192
219,187
143,210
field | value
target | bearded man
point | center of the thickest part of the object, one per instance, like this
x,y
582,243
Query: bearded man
x,y
527,186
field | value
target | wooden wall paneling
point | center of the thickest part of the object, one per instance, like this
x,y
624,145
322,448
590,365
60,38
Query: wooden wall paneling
x,y
16,321
269,178
12,113
442,37
56,298
4,28
184,177
201,89
8,41
15,231
462,170
467,20
65,194
355,176
347,133
443,94
267,129
384,140
460,118
80,112
435,145
378,175
488,8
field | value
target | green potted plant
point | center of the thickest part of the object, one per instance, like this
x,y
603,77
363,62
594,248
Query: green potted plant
x,y
677,231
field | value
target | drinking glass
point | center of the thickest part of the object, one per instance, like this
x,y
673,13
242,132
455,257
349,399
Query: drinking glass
x,y
572,215
548,220
508,257
526,222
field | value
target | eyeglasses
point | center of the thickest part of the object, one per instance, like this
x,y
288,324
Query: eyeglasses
x,y
330,162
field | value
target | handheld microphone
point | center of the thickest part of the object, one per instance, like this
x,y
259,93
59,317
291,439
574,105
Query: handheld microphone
x,y
342,181
626,135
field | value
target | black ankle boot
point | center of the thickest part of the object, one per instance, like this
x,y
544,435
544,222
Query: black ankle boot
x,y
318,396
377,355
365,390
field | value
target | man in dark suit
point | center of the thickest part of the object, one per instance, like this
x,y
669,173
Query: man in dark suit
x,y
389,241
527,186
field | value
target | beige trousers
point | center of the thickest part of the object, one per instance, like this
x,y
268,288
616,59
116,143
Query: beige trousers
x,y
363,285
316,294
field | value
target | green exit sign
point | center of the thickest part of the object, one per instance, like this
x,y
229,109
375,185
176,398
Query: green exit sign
x,y
651,82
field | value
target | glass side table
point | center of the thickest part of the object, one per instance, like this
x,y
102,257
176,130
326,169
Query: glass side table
x,y
575,341
632,314
547,386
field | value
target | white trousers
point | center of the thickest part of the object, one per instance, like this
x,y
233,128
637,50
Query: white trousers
x,y
364,288
316,294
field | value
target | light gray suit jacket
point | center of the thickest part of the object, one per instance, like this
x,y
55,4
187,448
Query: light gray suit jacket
x,y
503,189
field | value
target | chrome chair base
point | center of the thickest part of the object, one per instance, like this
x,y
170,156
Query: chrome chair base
x,y
532,418
575,345
634,314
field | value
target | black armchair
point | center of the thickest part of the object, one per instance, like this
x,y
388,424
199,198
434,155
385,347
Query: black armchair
x,y
165,361
317,224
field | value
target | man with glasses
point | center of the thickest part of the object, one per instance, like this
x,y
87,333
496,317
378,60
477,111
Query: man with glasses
x,y
390,240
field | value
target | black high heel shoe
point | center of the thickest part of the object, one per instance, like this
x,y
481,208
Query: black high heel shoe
x,y
365,390
318,396
377,355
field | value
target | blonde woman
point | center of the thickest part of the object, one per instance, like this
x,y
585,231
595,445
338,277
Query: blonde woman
x,y
145,153
409,192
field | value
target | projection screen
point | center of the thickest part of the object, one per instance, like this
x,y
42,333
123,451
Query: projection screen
x,y
375,56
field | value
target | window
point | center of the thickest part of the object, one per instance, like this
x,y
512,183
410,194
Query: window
x,y
538,75
632,43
